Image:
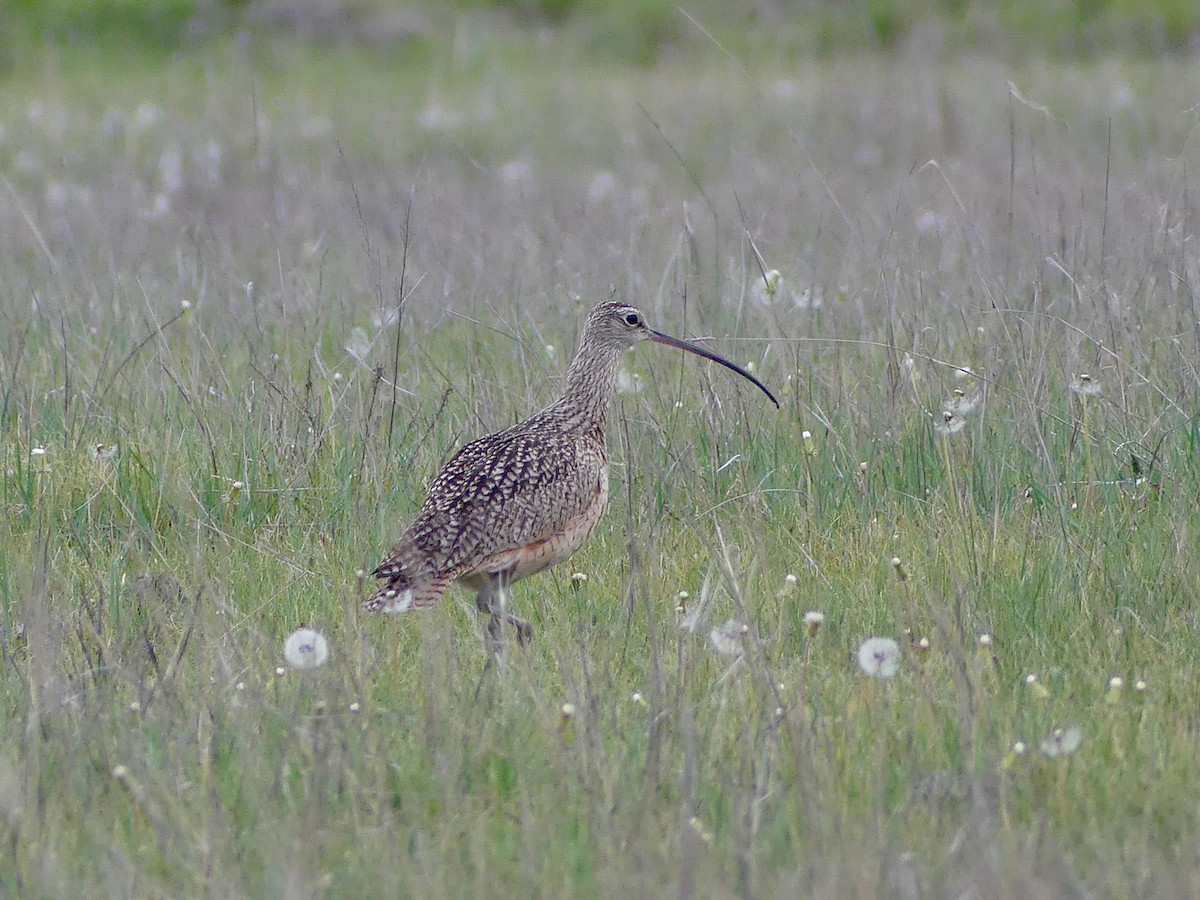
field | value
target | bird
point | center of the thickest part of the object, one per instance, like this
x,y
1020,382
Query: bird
x,y
513,503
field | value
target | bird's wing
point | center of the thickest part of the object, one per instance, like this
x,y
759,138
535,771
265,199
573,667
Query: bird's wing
x,y
501,492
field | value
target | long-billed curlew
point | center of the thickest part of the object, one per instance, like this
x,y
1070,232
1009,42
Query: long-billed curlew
x,y
513,503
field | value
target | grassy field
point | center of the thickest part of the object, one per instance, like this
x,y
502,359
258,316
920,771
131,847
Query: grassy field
x,y
985,337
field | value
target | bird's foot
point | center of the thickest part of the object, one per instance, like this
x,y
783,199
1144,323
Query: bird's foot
x,y
523,629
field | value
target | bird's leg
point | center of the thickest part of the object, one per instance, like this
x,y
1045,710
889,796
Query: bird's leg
x,y
524,629
492,600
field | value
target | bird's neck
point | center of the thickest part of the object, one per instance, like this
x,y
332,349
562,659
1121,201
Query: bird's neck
x,y
589,387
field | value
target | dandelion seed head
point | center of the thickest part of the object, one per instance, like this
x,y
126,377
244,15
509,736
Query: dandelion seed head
x,y
279,671
1061,742
961,404
1019,747
985,640
354,707
100,452
305,649
951,423
727,639
1116,682
789,578
568,710
1139,686
241,685
764,289
1083,385
814,619
879,657
579,577
628,382
862,467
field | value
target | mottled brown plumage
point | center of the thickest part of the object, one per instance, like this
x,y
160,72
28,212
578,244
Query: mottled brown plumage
x,y
513,503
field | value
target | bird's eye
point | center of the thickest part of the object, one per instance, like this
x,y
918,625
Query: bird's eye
x,y
633,319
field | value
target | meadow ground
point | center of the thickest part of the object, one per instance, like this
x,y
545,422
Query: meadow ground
x,y
212,415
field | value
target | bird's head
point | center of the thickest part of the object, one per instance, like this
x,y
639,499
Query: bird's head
x,y
616,326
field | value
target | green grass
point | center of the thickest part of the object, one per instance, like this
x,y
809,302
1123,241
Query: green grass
x,y
613,32
186,251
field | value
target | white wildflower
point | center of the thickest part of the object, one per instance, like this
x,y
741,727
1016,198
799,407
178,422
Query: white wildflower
x,y
879,657
604,185
1061,742
359,344
628,382
727,639
382,318
516,172
765,288
305,649
170,170
813,620
1085,386
951,424
146,115
961,404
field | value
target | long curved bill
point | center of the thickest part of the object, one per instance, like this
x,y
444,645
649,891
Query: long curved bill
x,y
660,338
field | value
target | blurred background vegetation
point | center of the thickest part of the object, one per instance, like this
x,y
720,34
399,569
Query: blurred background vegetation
x,y
634,31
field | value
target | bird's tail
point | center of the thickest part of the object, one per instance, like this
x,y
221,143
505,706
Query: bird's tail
x,y
398,595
